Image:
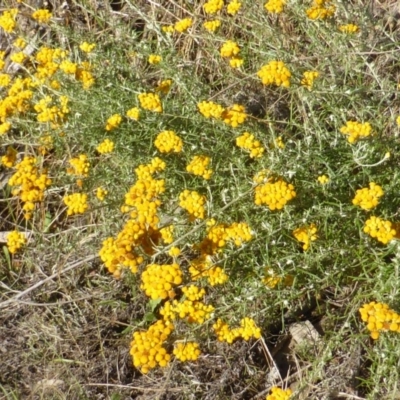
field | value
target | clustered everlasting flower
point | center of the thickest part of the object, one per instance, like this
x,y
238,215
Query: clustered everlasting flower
x,y
147,348
213,6
76,203
20,43
106,146
247,330
275,73
133,113
234,115
47,112
349,28
321,9
198,166
233,7
18,58
323,179
154,59
87,47
368,198
7,20
308,79
113,122
210,109
380,229
42,16
379,318
29,183
192,311
168,142
167,234
150,101
189,351
15,241
275,193
229,49
212,26
183,25
101,193
218,235
193,203
356,130
203,267
79,166
158,281
140,231
248,142
275,6
306,235
279,394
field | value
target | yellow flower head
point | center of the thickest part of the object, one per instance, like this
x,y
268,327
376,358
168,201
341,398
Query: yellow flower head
x,y
113,122
150,101
213,6
106,146
183,25
42,16
87,47
212,26
233,7
275,73
168,142
154,59
229,49
275,6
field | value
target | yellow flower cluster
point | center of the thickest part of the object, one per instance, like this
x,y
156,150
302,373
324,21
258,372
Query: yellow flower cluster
x,y
349,28
167,234
15,241
279,394
247,330
9,159
193,293
141,230
275,193
80,166
101,193
5,80
52,113
106,146
147,348
248,142
323,179
68,67
275,6
380,229
212,26
76,203
321,9
219,234
356,130
234,115
275,73
154,59
189,351
379,318
193,203
213,6
210,110
198,166
42,16
308,79
133,113
150,101
194,312
229,49
20,43
306,235
158,280
164,86
183,25
113,122
30,184
7,20
233,7
203,267
271,279
168,142
18,58
16,101
87,47
368,198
